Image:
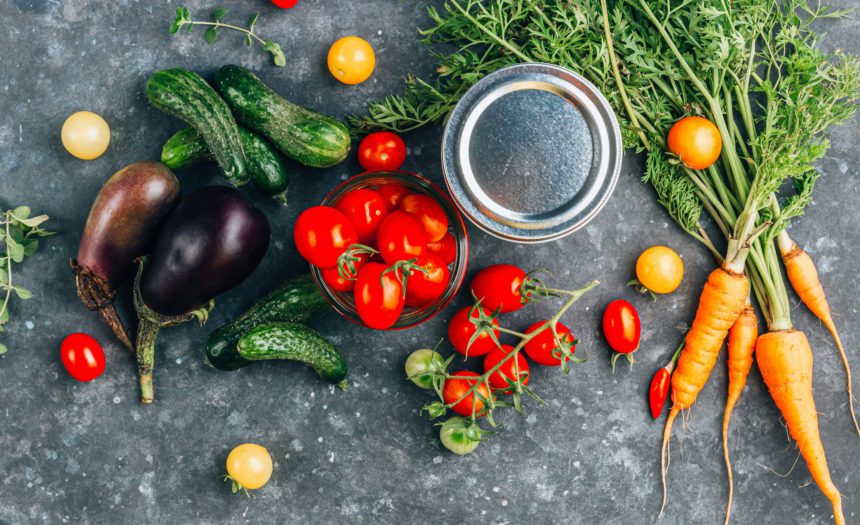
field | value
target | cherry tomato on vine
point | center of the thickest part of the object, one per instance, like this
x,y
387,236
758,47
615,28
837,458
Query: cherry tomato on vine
x,y
423,288
461,330
365,209
456,387
420,366
621,326
351,60
285,4
382,151
249,467
660,269
339,283
378,296
542,348
82,356
446,248
696,141
322,234
507,372
392,194
429,213
499,287
400,237
460,435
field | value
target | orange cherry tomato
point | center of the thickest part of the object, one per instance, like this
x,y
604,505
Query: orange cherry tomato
x,y
696,141
351,60
660,269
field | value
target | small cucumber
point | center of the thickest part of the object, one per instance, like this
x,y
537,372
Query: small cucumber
x,y
268,171
185,95
295,342
309,137
296,300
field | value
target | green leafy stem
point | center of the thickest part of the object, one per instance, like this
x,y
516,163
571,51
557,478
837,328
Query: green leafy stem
x,y
183,19
19,233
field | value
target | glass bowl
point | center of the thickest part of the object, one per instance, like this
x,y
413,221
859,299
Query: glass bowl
x,y
343,302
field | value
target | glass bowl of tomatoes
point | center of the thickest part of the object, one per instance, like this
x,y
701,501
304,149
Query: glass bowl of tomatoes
x,y
415,231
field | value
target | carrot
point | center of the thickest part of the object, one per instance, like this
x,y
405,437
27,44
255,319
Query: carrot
x,y
742,339
720,304
785,361
804,279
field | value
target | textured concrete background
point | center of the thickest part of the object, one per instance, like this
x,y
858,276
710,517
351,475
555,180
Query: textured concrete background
x,y
88,453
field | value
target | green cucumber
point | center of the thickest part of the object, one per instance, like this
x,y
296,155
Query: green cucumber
x,y
296,300
309,137
185,95
268,171
295,342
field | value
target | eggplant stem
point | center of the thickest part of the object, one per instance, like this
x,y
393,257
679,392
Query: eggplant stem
x,y
97,295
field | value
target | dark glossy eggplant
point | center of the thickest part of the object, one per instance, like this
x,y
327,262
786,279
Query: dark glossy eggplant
x,y
122,223
210,243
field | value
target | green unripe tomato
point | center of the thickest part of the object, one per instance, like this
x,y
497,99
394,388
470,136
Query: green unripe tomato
x,y
460,435
420,366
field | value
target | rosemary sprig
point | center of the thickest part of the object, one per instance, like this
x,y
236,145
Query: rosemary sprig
x,y
183,19
20,234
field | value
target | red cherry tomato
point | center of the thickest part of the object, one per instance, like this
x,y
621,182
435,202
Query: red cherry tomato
x,y
455,388
542,348
423,288
337,282
400,237
429,212
392,194
322,234
461,330
82,356
446,249
508,371
365,209
382,151
285,4
621,326
378,297
499,286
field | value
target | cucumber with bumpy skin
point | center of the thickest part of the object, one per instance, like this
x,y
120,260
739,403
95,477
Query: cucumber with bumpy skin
x,y
309,137
185,95
268,172
295,342
296,300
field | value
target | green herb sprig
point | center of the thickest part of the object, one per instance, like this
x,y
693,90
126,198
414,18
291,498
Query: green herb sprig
x,y
183,19
19,233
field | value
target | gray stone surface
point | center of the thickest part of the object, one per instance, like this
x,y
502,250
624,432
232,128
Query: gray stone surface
x,y
88,453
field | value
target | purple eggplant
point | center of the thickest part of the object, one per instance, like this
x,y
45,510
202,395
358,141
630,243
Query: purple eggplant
x,y
212,241
121,225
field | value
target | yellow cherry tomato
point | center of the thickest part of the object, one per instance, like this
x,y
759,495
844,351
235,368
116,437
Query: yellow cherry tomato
x,y
660,269
351,60
85,135
249,466
696,141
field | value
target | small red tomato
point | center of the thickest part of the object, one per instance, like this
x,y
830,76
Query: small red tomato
x,y
382,151
423,288
509,370
461,330
429,213
82,356
378,296
322,234
285,4
365,209
457,387
542,348
499,287
392,194
446,249
621,326
339,283
400,237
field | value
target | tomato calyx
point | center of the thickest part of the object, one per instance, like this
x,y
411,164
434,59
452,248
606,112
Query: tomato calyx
x,y
346,263
235,485
641,288
484,324
629,356
402,270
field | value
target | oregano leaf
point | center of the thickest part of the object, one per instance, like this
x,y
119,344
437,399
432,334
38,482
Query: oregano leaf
x,y
211,35
219,13
275,49
3,349
21,213
22,293
16,251
252,21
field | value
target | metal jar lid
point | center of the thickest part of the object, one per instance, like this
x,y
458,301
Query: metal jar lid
x,y
531,152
